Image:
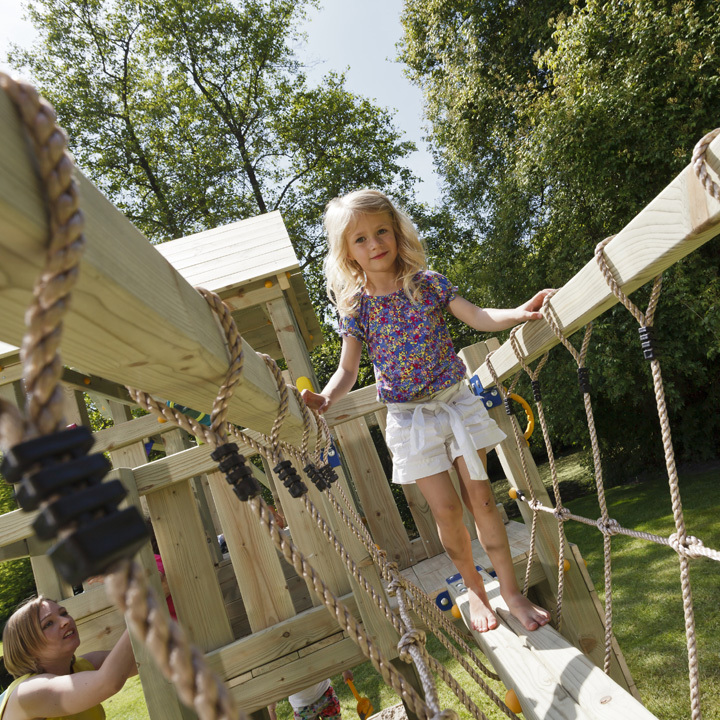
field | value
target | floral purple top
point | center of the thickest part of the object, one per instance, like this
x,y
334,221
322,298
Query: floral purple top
x,y
409,343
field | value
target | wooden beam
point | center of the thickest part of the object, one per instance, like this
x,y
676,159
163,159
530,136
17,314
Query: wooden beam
x,y
133,318
282,639
679,220
552,679
354,405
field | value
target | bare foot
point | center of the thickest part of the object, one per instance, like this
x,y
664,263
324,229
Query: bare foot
x,y
482,618
530,615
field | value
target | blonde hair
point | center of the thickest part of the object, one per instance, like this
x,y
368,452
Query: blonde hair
x,y
23,638
345,278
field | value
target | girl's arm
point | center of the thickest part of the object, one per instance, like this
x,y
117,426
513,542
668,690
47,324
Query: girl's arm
x,y
342,380
496,319
58,695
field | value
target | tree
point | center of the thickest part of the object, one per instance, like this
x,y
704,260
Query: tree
x,y
552,140
191,114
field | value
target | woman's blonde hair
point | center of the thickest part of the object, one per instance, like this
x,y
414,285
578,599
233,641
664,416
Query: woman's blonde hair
x,y
345,278
23,638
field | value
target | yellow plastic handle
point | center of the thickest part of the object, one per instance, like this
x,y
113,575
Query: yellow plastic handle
x,y
304,383
528,414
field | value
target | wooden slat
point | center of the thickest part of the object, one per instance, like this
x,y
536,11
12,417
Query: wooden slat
x,y
372,488
679,220
354,405
254,558
133,319
290,677
282,639
552,679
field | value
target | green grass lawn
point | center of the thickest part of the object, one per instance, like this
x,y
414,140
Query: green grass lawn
x,y
648,620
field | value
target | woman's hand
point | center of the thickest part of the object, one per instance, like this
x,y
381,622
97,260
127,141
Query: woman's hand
x,y
316,401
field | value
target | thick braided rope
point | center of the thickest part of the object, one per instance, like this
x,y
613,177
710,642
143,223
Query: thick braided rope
x,y
521,444
180,663
673,480
562,540
699,164
234,372
604,522
42,366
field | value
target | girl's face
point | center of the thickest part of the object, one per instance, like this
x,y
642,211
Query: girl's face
x,y
60,631
371,243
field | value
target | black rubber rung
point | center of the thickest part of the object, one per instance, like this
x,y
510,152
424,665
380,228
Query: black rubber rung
x,y
61,477
19,459
92,549
71,508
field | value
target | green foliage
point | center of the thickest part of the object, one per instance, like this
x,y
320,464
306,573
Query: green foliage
x,y
190,114
16,577
554,124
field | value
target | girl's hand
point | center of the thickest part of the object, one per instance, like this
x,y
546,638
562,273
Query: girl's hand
x,y
315,401
531,309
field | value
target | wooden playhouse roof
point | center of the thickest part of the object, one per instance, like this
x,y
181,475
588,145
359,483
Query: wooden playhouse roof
x,y
248,263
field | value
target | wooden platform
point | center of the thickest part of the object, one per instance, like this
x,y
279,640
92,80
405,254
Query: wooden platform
x,y
430,575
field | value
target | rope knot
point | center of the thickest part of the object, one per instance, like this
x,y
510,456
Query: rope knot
x,y
561,513
689,547
394,585
608,527
411,638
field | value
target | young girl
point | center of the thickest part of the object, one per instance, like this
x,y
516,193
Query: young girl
x,y
377,277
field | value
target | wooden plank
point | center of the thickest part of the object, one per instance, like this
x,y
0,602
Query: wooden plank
x,y
679,220
291,677
244,298
294,350
188,566
129,432
16,525
354,405
133,319
552,679
306,536
372,488
160,696
254,558
284,638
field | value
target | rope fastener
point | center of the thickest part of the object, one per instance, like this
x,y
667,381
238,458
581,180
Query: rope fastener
x,y
490,397
647,341
236,470
290,478
316,475
57,475
584,380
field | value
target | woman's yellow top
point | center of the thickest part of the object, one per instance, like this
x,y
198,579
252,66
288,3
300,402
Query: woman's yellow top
x,y
93,713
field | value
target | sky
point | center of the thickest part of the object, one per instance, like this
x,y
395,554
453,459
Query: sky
x,y
357,38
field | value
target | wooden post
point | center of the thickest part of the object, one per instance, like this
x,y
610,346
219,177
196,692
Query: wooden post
x,y
372,488
254,559
160,695
177,441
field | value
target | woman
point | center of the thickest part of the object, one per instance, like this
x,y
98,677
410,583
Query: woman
x,y
39,644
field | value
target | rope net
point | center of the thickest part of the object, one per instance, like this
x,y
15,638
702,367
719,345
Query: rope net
x,y
685,546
